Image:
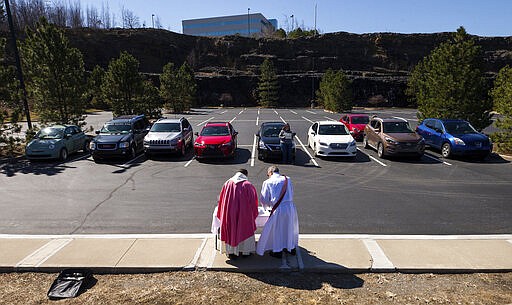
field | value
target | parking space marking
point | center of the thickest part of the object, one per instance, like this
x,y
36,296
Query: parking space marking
x,y
374,159
293,112
311,158
310,112
223,112
78,158
253,153
276,112
241,112
438,160
379,259
232,120
137,157
203,122
189,161
307,120
330,118
282,119
257,119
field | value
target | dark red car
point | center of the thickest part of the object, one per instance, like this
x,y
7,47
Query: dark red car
x,y
355,123
216,139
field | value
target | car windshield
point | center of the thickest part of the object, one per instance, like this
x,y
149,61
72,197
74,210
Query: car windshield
x,y
115,128
50,133
360,120
460,127
397,127
166,127
215,131
271,131
332,130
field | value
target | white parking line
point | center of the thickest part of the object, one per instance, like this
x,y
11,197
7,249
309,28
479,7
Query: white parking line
x,y
311,158
293,112
282,119
241,112
253,154
307,120
330,118
438,160
374,159
257,119
79,158
310,112
203,122
258,112
223,112
137,157
276,112
232,120
190,161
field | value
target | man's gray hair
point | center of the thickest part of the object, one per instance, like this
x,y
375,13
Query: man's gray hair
x,y
273,169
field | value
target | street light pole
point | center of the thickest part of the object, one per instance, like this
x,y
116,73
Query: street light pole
x,y
18,64
153,20
248,23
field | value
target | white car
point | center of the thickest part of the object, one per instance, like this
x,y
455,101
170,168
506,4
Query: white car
x,y
331,139
168,136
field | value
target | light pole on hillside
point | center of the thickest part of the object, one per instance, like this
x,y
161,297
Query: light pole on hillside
x,y
153,20
248,22
18,64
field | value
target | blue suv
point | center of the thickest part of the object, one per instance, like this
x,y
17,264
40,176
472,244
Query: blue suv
x,y
120,137
454,137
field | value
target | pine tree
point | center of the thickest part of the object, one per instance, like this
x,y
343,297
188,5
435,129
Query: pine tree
x,y
122,85
55,75
449,82
502,97
94,93
334,92
178,88
151,102
268,85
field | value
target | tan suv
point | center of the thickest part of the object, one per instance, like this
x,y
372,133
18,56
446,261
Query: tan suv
x,y
392,136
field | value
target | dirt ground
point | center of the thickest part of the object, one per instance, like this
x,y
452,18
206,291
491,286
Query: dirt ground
x,y
209,287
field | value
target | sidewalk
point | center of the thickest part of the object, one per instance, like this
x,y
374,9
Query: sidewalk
x,y
318,253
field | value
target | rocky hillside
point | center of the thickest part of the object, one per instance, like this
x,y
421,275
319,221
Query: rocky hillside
x,y
227,67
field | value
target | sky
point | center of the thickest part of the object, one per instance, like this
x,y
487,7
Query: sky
x,y
479,17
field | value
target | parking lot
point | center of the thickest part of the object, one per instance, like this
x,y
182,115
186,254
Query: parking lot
x,y
341,196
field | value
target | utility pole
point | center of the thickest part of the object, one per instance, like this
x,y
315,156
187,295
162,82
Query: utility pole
x,y
18,64
248,22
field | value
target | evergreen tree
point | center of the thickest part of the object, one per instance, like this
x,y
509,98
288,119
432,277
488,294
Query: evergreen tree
x,y
55,75
449,82
151,102
334,92
178,88
268,85
502,96
94,82
10,109
122,85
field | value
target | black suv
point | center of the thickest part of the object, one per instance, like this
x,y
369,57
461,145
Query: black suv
x,y
120,137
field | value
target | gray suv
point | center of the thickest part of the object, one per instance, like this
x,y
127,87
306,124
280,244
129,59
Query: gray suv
x,y
169,136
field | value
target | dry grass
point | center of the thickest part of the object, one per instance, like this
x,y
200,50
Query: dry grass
x,y
208,287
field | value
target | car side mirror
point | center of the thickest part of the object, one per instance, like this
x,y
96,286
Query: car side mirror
x,y
235,133
97,132
196,134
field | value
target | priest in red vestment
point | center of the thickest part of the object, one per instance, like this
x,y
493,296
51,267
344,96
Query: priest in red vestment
x,y
237,211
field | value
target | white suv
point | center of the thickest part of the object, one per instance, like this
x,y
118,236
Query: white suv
x,y
169,136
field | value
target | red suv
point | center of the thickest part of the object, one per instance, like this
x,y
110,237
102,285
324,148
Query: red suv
x,y
216,139
355,123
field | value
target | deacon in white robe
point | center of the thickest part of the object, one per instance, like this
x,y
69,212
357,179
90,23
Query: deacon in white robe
x,y
281,232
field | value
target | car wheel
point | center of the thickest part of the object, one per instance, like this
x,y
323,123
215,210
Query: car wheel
x,y
96,160
183,151
380,150
365,142
148,155
261,157
446,150
63,155
132,153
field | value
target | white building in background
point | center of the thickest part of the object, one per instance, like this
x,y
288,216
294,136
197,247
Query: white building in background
x,y
254,25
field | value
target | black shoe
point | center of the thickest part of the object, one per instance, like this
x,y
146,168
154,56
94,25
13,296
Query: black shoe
x,y
293,251
276,254
232,256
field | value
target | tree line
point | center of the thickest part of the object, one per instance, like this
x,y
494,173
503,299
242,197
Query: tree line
x,y
448,83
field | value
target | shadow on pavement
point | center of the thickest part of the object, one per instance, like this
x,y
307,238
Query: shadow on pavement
x,y
242,156
38,167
